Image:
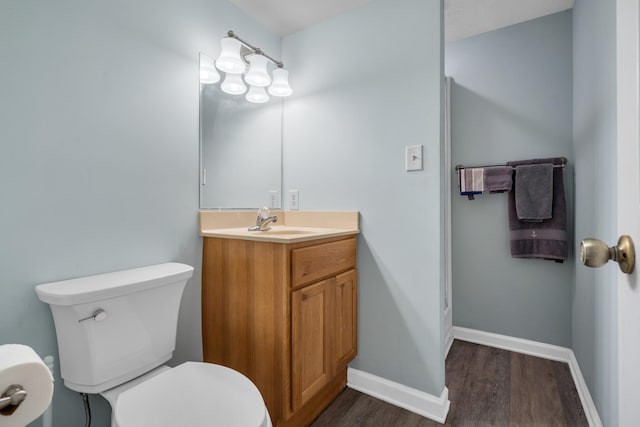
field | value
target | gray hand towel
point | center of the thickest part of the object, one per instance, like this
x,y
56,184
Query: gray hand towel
x,y
546,239
498,179
534,192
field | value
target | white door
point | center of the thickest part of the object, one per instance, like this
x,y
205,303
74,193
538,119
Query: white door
x,y
628,208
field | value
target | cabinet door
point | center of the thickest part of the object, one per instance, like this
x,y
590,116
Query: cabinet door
x,y
345,328
310,357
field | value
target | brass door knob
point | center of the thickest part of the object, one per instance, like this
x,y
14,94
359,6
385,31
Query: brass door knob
x,y
596,253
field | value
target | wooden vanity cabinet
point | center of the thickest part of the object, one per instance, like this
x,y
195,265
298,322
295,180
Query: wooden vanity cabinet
x,y
284,315
323,330
345,317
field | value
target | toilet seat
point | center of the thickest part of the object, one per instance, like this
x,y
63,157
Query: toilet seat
x,y
193,394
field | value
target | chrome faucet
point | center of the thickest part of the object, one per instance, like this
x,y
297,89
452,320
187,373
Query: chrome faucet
x,y
263,220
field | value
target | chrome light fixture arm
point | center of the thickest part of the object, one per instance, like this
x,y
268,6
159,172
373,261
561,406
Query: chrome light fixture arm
x,y
254,50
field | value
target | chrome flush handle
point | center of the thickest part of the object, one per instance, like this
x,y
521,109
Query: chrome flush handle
x,y
98,315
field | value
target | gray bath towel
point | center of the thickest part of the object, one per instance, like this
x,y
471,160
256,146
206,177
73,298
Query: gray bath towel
x,y
546,239
534,192
498,179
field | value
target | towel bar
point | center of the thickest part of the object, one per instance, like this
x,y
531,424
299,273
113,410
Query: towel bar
x,y
458,167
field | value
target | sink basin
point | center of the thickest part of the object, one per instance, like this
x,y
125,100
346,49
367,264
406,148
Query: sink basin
x,y
283,232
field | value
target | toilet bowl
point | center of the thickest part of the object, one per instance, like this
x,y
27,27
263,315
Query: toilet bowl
x,y
193,394
115,331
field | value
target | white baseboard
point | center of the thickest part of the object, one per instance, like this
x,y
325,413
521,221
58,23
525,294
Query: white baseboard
x,y
448,341
538,349
585,397
425,404
517,345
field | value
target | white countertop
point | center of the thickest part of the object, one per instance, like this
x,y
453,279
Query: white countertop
x,y
292,226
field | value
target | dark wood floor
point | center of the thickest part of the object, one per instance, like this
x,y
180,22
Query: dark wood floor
x,y
487,387
355,409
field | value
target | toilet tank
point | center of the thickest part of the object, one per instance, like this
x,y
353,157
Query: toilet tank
x,y
114,327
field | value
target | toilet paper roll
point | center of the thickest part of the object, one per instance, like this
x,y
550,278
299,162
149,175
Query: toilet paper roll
x,y
20,365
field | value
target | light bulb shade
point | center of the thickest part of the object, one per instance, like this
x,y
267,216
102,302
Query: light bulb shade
x,y
280,85
258,75
233,84
208,72
257,95
229,60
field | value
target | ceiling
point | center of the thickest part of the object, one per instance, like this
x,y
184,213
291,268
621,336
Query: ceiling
x,y
288,16
463,18
466,18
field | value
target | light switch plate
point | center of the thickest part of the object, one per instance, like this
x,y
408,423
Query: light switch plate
x,y
294,200
274,199
413,158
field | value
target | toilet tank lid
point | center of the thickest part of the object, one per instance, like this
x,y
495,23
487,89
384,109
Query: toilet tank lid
x,y
110,285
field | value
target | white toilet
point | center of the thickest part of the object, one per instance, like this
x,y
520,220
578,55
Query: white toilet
x,y
116,330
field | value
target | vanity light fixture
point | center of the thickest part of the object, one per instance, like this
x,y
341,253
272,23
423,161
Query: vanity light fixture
x,y
257,74
233,84
280,85
208,72
236,56
229,60
257,95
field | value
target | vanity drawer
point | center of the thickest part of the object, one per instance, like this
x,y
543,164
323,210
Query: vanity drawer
x,y
315,262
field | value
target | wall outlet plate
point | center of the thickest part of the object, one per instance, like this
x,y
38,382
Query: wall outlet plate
x,y
294,200
274,199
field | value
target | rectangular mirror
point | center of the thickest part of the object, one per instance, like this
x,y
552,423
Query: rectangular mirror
x,y
240,148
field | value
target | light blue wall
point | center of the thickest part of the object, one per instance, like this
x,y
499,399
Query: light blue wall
x,y
366,84
511,100
594,125
99,153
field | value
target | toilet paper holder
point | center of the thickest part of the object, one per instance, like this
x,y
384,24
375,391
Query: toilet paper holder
x,y
12,397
